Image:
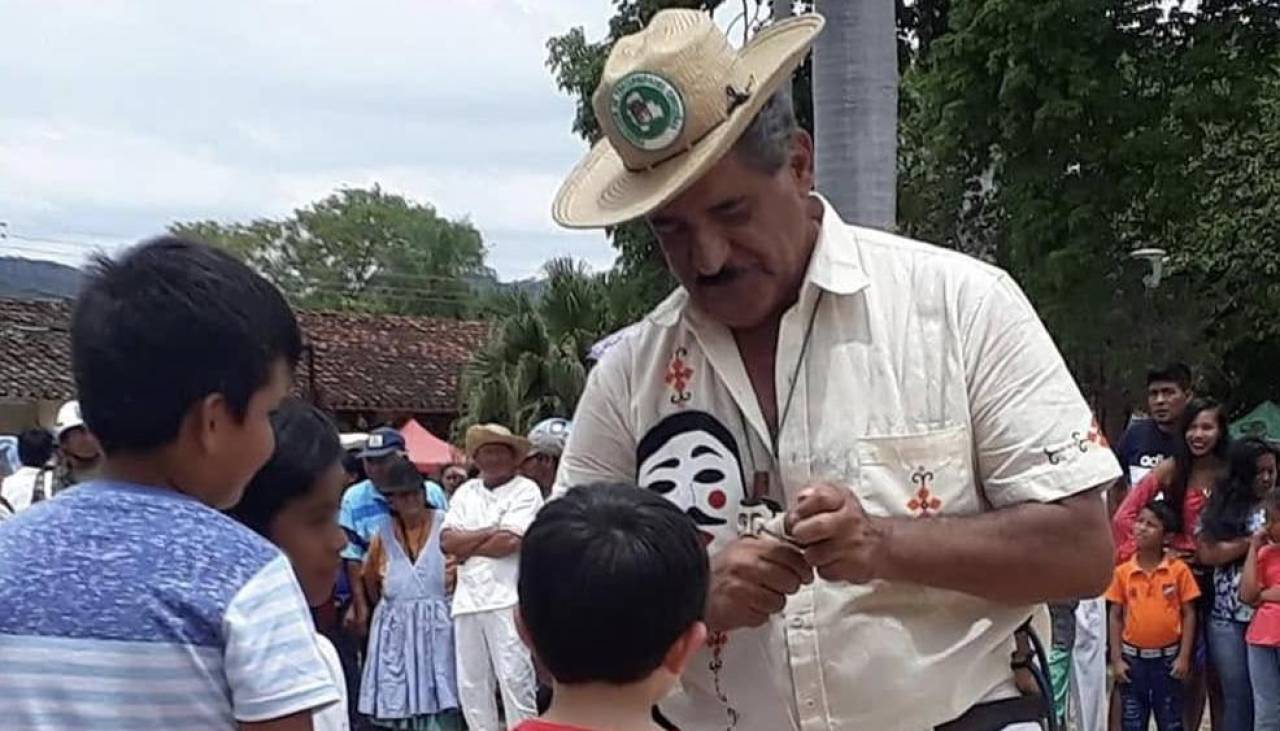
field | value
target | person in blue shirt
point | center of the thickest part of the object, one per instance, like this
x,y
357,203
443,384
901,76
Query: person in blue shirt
x,y
363,513
1148,442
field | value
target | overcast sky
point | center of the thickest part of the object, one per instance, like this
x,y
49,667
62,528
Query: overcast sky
x,y
119,117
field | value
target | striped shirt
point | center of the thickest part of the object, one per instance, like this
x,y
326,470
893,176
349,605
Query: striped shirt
x,y
129,607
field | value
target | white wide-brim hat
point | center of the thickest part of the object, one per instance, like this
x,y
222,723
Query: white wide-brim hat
x,y
672,100
482,434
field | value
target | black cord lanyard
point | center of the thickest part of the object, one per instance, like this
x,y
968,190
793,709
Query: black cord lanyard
x,y
760,478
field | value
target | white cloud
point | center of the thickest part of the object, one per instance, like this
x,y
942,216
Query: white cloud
x,y
121,117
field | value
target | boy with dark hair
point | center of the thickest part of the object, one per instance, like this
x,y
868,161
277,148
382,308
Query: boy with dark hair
x,y
613,586
1153,624
1149,441
33,481
131,601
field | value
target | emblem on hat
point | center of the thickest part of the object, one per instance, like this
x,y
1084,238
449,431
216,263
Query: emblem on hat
x,y
647,110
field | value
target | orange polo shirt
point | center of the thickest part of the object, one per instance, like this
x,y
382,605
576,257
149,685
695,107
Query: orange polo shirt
x,y
1152,601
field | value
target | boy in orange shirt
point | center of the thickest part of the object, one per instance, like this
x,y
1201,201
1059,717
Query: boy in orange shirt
x,y
1153,624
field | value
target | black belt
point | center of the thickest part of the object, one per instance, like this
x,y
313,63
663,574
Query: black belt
x,y
996,715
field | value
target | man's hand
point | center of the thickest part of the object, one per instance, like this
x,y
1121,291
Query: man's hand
x,y
1120,669
1259,539
1181,667
841,541
751,579
356,621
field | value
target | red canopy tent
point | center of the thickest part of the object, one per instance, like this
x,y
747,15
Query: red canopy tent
x,y
427,451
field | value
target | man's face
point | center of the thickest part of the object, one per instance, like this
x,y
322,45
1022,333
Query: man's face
x,y
452,478
541,468
376,467
1167,401
739,240
496,460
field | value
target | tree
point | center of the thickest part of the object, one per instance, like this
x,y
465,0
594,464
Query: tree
x,y
359,249
855,103
535,365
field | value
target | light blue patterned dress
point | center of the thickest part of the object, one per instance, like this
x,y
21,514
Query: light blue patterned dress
x,y
409,674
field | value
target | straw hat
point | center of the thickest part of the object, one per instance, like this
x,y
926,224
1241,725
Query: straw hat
x,y
482,434
672,100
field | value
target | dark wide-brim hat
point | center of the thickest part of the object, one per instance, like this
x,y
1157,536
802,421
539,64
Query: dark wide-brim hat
x,y
672,100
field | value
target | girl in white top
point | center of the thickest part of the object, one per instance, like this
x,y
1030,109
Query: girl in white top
x,y
293,502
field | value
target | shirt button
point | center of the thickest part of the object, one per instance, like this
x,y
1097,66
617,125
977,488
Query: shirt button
x,y
797,622
810,703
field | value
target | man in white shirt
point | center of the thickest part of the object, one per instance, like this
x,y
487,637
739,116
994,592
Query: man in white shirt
x,y
33,481
486,520
937,464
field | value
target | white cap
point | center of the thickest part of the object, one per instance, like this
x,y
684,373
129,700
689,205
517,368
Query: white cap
x,y
68,418
549,436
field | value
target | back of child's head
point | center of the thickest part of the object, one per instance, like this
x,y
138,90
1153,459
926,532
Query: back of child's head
x,y
35,447
611,576
1165,514
165,325
306,446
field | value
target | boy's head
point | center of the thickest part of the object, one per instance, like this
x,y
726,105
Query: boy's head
x,y
613,584
35,447
293,500
1156,520
180,354
1168,391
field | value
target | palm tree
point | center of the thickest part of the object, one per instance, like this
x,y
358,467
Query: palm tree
x,y
534,365
855,104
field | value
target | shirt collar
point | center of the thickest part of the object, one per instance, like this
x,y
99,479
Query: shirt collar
x,y
835,266
1135,568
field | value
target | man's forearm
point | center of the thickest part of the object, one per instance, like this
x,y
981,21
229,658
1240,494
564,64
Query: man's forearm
x,y
355,581
463,543
501,544
1024,554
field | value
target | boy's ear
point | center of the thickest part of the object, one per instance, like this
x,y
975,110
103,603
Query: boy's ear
x,y
683,648
205,421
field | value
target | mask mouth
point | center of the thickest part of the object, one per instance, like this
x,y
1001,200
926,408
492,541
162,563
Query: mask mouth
x,y
702,518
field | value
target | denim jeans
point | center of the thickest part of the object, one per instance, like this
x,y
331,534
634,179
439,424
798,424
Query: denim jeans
x,y
1230,656
1264,671
1151,690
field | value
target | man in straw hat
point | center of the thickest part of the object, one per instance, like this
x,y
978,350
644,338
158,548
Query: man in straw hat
x,y
902,402
482,531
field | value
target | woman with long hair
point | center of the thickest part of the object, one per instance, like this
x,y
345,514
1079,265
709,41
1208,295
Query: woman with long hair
x,y
1186,482
1234,513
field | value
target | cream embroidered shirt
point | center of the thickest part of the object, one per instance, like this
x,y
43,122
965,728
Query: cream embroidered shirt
x,y
930,387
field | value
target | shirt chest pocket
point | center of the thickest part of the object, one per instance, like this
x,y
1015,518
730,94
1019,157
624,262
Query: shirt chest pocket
x,y
918,475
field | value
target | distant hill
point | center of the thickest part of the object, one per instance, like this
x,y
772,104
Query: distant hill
x,y
35,279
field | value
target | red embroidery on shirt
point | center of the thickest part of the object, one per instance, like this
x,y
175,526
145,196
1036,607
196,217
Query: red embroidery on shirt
x,y
678,376
925,502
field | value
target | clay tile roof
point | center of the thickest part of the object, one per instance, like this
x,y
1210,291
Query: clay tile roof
x,y
35,350
388,362
361,362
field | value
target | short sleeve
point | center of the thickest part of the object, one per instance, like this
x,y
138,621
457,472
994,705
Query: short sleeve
x,y
523,509
1034,435
1188,589
436,496
355,548
601,447
271,659
1115,592
456,517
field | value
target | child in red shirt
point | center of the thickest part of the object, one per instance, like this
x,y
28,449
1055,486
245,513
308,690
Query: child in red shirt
x,y
1260,586
613,582
1153,624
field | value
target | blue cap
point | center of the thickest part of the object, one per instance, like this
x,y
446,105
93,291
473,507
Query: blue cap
x,y
382,442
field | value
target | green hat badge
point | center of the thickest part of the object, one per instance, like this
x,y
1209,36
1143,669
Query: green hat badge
x,y
647,110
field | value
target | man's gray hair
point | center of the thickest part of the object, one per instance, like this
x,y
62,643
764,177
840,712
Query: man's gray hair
x,y
765,145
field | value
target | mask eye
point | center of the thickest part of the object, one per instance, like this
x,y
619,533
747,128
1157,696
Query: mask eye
x,y
662,487
708,476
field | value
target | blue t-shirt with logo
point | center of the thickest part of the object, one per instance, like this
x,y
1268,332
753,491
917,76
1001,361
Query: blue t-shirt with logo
x,y
1143,446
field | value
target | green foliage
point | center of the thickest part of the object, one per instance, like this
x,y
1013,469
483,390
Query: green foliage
x,y
1055,137
535,366
359,250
